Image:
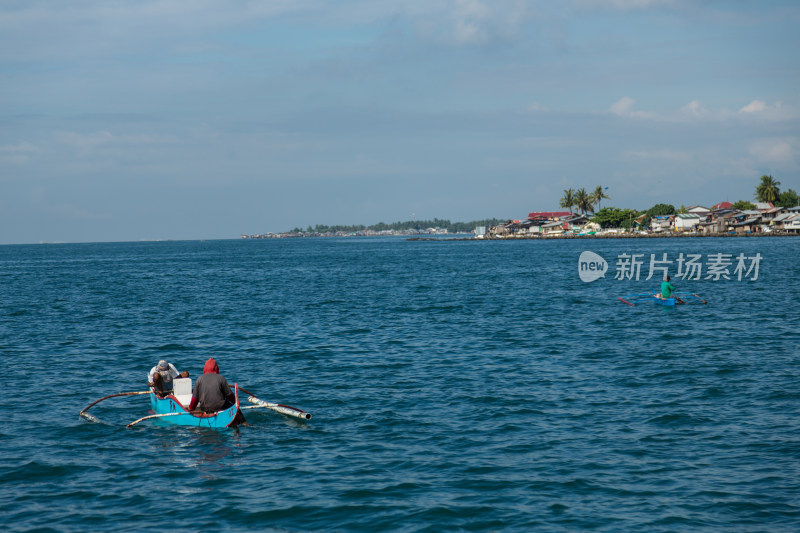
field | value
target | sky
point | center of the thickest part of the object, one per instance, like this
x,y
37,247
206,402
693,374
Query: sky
x,y
169,119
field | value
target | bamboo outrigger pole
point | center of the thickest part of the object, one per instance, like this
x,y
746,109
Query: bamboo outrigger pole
x,y
91,418
148,417
287,410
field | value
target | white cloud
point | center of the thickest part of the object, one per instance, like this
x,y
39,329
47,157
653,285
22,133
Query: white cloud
x,y
17,154
469,22
623,5
84,141
470,15
778,151
695,108
770,112
623,106
19,148
663,154
87,141
536,107
756,106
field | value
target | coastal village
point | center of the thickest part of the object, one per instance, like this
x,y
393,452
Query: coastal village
x,y
774,213
720,219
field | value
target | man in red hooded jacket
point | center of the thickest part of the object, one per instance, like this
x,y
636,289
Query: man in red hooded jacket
x,y
211,391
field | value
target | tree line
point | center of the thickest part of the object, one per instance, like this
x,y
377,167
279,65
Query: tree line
x,y
583,200
415,225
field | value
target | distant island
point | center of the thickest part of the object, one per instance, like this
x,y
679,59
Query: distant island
x,y
412,227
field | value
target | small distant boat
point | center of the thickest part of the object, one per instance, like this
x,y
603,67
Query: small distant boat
x,y
678,298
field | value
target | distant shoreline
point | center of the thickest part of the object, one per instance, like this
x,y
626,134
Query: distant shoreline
x,y
611,236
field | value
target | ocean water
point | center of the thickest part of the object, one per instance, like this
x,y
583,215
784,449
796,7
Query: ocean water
x,y
454,386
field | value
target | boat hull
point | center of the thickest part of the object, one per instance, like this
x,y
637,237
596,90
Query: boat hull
x,y
666,302
181,417
655,297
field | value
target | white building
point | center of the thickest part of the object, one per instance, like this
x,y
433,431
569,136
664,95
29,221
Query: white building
x,y
661,223
699,210
686,222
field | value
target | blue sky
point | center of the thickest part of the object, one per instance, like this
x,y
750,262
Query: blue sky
x,y
168,119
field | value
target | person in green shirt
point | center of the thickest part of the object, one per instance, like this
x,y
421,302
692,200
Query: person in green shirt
x,y
668,289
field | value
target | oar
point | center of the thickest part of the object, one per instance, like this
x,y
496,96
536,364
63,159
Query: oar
x,y
92,418
148,417
693,295
287,410
696,296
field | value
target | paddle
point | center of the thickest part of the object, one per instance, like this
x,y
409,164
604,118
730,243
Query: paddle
x,y
83,414
287,410
696,296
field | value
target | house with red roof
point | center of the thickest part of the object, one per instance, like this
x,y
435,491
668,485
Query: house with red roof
x,y
549,215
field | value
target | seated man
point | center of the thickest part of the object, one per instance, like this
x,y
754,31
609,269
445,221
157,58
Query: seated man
x,y
211,392
161,376
668,290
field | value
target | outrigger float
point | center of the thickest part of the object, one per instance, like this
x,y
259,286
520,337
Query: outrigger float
x,y
174,408
678,298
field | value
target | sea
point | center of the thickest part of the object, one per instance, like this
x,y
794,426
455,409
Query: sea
x,y
454,385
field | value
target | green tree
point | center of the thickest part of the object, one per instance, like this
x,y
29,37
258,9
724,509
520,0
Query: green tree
x,y
614,217
583,201
660,210
768,190
599,195
743,205
788,198
568,200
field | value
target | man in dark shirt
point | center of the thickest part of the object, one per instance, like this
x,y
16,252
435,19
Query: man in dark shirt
x,y
211,391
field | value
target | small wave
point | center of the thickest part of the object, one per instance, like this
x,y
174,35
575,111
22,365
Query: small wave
x,y
169,348
678,419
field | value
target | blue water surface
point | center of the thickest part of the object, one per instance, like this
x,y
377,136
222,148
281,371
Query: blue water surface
x,y
455,385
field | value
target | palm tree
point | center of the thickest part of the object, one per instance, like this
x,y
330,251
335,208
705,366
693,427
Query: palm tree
x,y
568,200
598,195
583,200
767,190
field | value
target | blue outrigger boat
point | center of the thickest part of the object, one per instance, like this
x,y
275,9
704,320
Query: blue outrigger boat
x,y
174,408
678,298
